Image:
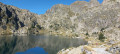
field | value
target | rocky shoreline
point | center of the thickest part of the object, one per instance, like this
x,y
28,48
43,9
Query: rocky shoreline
x,y
94,46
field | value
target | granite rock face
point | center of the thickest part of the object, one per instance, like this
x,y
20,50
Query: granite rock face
x,y
83,17
80,17
13,19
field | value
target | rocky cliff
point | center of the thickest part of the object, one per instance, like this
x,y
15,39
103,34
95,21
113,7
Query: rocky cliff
x,y
83,17
15,20
80,17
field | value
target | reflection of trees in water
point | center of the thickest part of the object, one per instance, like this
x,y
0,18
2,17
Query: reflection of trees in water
x,y
51,44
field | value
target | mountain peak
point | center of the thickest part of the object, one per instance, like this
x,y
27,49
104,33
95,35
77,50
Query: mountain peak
x,y
92,3
79,3
94,0
1,3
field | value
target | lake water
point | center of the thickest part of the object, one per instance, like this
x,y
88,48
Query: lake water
x,y
36,44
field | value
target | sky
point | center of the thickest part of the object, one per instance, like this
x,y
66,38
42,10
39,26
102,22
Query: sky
x,y
38,6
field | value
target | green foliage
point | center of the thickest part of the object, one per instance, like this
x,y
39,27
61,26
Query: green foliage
x,y
87,34
101,37
38,26
51,26
86,37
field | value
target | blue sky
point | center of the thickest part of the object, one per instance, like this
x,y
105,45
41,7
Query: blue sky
x,y
38,6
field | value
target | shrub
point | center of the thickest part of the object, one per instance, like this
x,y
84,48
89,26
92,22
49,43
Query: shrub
x,y
87,34
101,37
51,26
38,26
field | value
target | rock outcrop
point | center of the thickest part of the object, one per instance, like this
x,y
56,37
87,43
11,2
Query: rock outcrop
x,y
13,19
83,17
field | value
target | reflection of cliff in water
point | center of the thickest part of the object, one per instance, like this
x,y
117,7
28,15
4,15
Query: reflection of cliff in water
x,y
51,44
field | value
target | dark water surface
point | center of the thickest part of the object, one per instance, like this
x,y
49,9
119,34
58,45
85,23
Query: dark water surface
x,y
36,44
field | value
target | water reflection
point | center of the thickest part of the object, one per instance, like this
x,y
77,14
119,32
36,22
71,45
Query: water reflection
x,y
51,44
